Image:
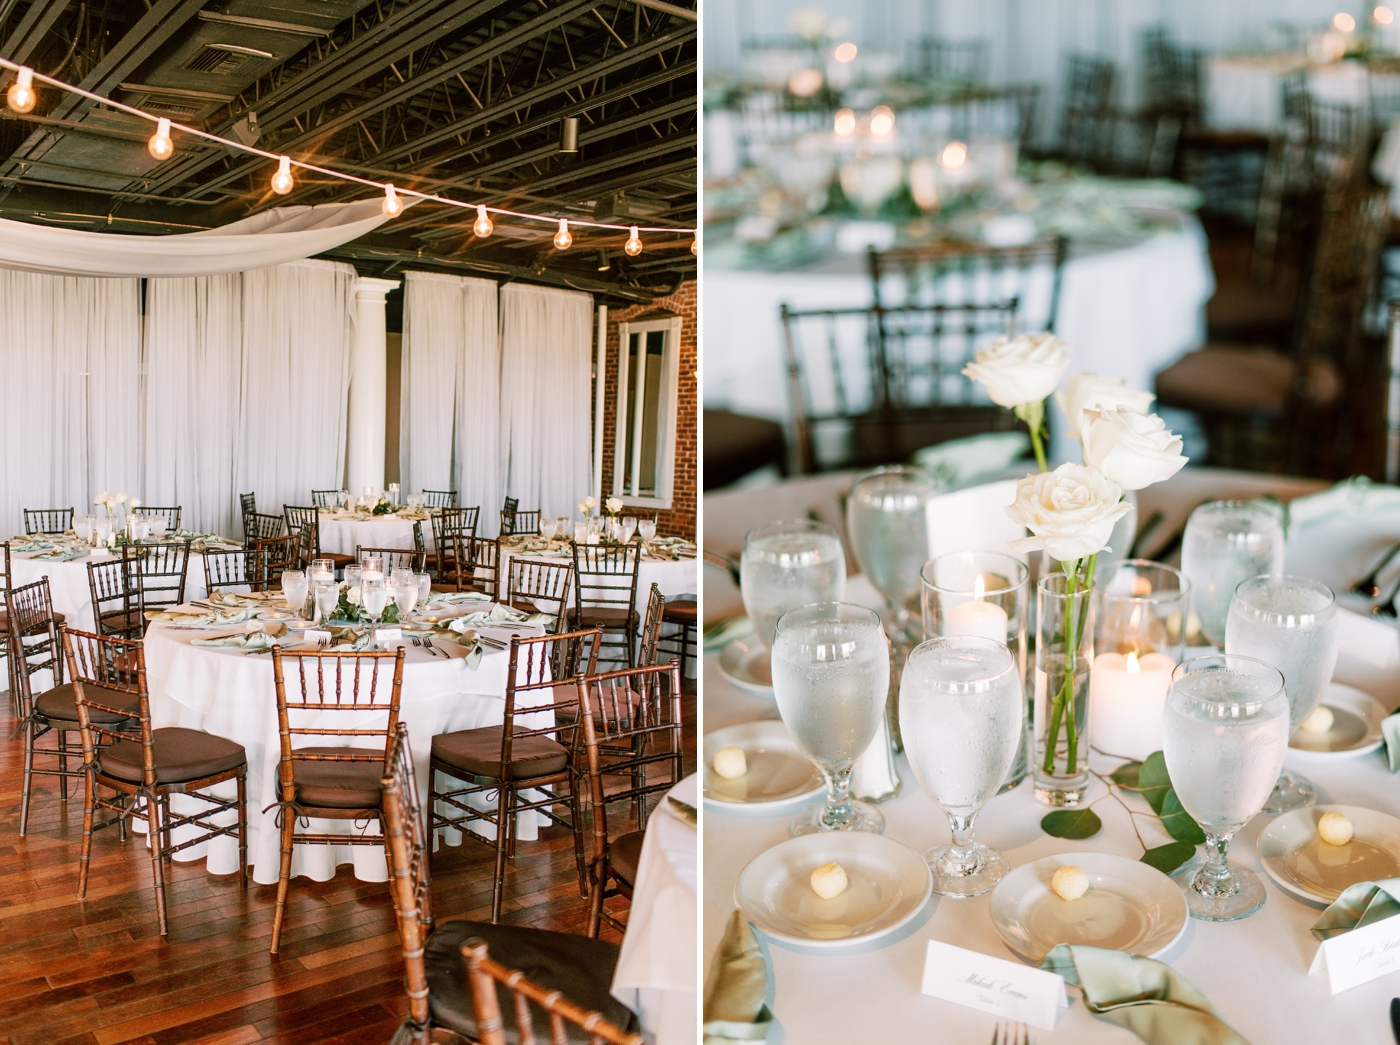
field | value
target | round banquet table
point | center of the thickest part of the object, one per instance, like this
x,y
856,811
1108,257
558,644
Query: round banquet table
x,y
341,536
229,693
655,975
673,576
1245,92
68,582
1254,971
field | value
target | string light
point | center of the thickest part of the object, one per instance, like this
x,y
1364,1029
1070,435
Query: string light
x,y
482,226
695,246
393,206
282,181
21,96
563,239
160,145
634,243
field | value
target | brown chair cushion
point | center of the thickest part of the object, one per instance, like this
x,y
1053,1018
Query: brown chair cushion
x,y
180,755
340,559
681,611
607,616
61,704
624,854
478,752
579,968
1242,381
337,785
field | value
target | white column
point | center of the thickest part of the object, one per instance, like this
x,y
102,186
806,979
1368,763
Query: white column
x,y
369,387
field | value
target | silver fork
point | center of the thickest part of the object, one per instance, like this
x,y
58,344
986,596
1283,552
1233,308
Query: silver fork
x,y
1011,1034
425,644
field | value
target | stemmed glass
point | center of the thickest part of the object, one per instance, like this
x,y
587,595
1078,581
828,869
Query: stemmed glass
x,y
562,526
786,565
1291,624
405,595
961,714
375,596
548,527
82,527
294,588
156,524
1224,734
647,528
629,527
425,587
1227,542
327,597
887,518
831,676
104,530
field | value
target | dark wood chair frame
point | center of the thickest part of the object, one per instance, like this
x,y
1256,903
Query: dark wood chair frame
x,y
324,498
48,520
605,592
234,568
394,558
158,574
446,523
477,564
651,627
279,554
440,498
172,516
520,522
116,604
530,582
264,526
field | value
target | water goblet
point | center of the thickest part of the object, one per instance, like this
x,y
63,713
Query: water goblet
x,y
294,589
961,716
327,597
157,525
405,596
425,587
786,565
548,528
1224,734
647,528
831,678
82,527
887,518
104,531
562,527
374,596
1227,542
629,527
1291,624
581,533
401,575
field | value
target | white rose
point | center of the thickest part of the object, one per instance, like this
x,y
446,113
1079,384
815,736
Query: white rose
x,y
582,509
121,498
1023,370
591,502
808,23
614,504
135,502
103,498
1131,449
1071,511
1082,391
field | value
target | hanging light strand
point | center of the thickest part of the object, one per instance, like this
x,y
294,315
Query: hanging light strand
x,y
22,97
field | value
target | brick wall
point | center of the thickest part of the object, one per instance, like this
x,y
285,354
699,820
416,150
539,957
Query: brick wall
x,y
680,520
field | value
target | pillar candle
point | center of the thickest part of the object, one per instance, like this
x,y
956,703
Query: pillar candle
x,y
1126,696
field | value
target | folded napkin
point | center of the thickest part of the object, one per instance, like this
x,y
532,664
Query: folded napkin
x,y
1355,496
719,634
437,598
496,614
1390,729
252,640
1142,995
684,811
202,619
1358,906
473,646
736,986
973,459
63,554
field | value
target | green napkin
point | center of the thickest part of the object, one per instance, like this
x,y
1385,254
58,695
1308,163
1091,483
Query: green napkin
x,y
62,554
437,598
1390,729
473,647
1139,994
252,640
496,615
719,634
736,987
684,811
1359,905
202,619
977,457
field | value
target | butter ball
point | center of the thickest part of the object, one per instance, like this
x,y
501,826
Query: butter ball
x,y
1070,883
1320,721
1334,828
730,762
829,880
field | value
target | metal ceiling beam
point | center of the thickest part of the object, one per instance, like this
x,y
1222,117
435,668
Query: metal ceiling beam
x,y
670,9
37,21
667,144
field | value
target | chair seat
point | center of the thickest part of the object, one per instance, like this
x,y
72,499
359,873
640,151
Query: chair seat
x,y
1250,311
340,559
180,754
338,785
60,704
478,753
607,616
579,968
1243,381
681,611
624,854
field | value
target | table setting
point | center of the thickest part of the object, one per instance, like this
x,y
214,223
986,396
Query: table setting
x,y
955,782
374,520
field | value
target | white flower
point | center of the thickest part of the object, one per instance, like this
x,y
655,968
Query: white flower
x,y
134,502
104,498
1071,511
582,509
121,498
590,502
614,504
1082,391
809,23
1131,449
1020,371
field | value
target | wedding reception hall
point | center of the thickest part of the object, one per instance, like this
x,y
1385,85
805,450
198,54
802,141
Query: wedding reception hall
x,y
349,415
1051,526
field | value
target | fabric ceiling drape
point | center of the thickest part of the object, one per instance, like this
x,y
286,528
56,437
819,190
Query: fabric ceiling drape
x,y
546,347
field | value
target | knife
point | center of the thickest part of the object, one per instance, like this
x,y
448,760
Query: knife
x,y
1395,1018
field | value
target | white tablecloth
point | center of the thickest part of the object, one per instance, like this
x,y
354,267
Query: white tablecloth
x,y
674,576
68,583
1255,971
1245,93
1128,312
343,536
655,975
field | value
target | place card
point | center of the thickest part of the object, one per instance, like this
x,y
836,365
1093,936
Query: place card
x,y
1359,956
386,638
316,637
1007,989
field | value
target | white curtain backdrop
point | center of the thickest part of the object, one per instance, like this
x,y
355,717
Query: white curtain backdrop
x,y
450,414
546,348
70,419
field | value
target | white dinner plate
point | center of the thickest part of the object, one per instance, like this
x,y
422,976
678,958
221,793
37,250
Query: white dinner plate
x,y
1356,728
779,775
888,884
301,625
1309,869
1130,907
747,663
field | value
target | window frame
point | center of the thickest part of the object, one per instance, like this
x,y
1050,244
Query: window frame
x,y
668,399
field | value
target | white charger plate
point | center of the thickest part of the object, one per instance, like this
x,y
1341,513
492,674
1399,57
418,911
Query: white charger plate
x,y
747,663
779,775
1310,870
1130,907
1355,731
888,885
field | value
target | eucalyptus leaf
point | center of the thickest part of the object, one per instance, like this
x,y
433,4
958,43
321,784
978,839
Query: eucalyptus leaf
x,y
1154,782
1127,775
1178,821
1167,858
1072,823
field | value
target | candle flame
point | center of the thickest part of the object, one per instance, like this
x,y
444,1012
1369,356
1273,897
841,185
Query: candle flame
x,y
979,589
1135,622
1133,668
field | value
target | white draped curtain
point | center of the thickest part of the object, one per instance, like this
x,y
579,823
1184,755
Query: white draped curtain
x,y
449,418
546,420
70,419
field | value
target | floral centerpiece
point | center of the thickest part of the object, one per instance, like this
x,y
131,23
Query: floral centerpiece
x,y
383,506
588,506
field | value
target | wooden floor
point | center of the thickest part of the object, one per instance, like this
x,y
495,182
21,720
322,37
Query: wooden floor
x,y
97,972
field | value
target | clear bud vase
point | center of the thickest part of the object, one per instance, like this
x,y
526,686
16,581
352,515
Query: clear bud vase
x,y
1063,657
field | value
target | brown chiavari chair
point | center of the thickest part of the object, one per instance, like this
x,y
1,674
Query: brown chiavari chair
x,y
440,498
264,526
247,505
307,520
1086,92
5,628
683,613
519,767
279,554
142,766
640,708
544,586
325,498
116,605
605,593
335,782
438,993
478,564
651,626
394,558
170,515
447,522
510,504
298,517
158,573
235,568
306,546
48,520
518,522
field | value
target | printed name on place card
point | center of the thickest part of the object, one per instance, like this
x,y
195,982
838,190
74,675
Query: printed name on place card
x,y
1008,989
1361,955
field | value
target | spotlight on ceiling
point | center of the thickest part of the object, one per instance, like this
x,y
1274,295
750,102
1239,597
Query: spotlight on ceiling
x,y
568,135
604,262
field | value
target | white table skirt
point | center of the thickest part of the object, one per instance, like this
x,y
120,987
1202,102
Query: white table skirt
x,y
655,975
343,536
68,583
674,576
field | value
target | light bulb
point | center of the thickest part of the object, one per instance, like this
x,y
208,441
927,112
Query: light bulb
x,y
845,52
21,96
160,145
634,243
563,239
695,246
1383,15
482,226
881,121
1344,22
282,181
845,122
393,206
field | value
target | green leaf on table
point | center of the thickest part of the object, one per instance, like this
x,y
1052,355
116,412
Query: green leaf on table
x,y
1153,781
1178,821
1127,775
1072,823
1167,858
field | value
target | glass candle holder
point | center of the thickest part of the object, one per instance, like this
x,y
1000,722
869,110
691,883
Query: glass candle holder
x,y
1063,655
1140,638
